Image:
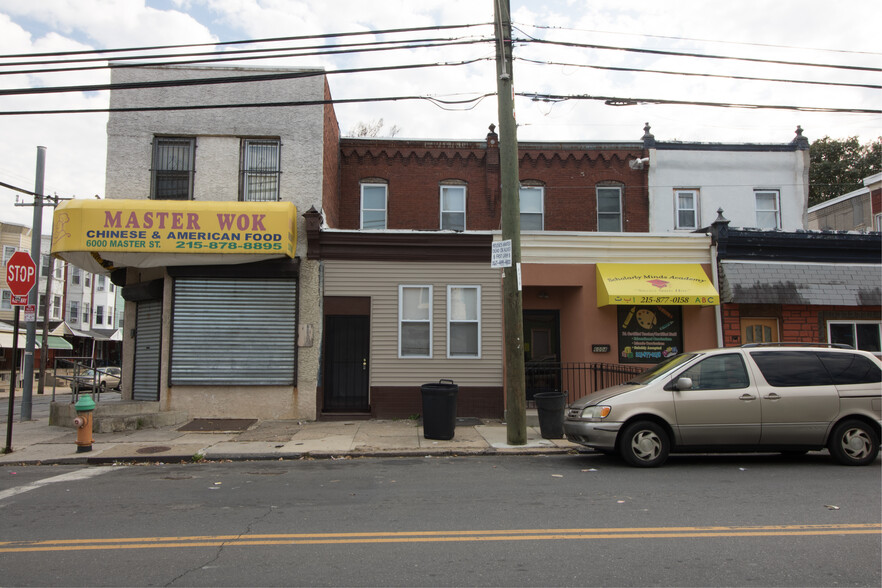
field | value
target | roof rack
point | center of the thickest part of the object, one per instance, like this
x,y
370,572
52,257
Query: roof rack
x,y
799,344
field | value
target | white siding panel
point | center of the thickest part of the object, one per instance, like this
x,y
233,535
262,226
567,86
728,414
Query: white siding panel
x,y
380,281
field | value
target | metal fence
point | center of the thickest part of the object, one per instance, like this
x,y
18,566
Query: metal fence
x,y
576,379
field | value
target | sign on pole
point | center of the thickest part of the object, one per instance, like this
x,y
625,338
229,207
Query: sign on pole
x,y
21,275
500,254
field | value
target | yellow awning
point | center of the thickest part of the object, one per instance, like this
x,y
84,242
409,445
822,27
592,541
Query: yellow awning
x,y
102,235
657,283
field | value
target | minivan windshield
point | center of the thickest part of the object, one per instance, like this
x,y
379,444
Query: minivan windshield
x,y
661,368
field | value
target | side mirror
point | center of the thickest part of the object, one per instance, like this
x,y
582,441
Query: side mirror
x,y
683,384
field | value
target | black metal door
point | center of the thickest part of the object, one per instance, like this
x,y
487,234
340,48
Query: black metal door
x,y
346,363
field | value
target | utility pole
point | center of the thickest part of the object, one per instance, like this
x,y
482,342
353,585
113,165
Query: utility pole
x,y
513,319
27,388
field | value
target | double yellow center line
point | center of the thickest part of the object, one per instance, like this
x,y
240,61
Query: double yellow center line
x,y
436,537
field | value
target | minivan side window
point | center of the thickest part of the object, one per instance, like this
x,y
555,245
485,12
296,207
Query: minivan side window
x,y
718,372
850,368
788,369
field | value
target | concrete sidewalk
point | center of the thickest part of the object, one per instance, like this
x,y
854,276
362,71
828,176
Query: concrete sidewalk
x,y
35,442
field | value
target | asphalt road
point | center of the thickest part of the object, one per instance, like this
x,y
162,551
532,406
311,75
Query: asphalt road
x,y
491,521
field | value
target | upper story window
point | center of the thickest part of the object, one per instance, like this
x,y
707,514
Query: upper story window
x,y
44,265
59,269
687,208
99,315
100,283
87,280
173,167
767,209
373,206
609,209
8,250
260,170
56,307
6,300
73,314
453,208
532,208
414,321
75,275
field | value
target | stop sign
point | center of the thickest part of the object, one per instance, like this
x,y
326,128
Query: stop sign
x,y
21,273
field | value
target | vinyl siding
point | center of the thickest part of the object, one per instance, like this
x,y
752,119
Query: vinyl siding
x,y
380,281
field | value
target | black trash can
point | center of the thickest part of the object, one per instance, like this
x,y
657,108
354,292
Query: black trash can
x,y
550,406
439,409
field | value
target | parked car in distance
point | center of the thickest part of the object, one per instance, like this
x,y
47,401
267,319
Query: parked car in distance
x,y
774,398
107,378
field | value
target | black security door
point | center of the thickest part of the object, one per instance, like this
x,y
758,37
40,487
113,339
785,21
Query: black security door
x,y
346,363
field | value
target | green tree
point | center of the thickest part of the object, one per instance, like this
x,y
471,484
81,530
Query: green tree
x,y
838,166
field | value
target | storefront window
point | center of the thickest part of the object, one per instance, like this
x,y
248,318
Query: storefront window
x,y
649,334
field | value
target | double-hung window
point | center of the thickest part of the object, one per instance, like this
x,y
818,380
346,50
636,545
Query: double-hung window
x,y
260,170
532,208
8,250
609,209
75,275
56,307
687,208
173,168
464,321
863,335
373,206
87,314
414,321
453,208
6,300
100,283
767,209
73,314
99,315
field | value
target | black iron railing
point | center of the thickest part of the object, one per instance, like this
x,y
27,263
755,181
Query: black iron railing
x,y
576,379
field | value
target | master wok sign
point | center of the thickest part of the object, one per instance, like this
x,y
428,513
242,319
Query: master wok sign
x,y
176,227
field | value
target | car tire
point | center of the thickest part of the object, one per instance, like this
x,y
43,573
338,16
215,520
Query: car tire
x,y
854,443
644,444
102,387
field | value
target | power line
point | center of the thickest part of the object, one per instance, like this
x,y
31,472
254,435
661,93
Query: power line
x,y
247,41
696,55
434,100
618,101
221,59
673,38
682,73
225,79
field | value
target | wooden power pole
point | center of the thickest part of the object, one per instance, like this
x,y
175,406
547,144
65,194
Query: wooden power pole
x,y
513,321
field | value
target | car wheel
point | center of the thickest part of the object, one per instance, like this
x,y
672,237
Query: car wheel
x,y
854,442
102,387
644,444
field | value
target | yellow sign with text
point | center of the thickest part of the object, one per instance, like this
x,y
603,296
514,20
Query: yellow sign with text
x,y
171,226
657,283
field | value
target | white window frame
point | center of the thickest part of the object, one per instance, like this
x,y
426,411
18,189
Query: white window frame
x,y
99,314
56,307
427,289
877,222
450,211
100,283
6,300
619,214
853,324
73,313
261,170
451,320
532,213
776,211
87,314
59,269
8,250
678,209
41,303
76,275
385,208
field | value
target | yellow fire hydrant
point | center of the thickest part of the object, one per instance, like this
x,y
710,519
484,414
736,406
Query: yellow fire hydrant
x,y
84,407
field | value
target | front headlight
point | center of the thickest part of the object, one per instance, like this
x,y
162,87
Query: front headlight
x,y
595,412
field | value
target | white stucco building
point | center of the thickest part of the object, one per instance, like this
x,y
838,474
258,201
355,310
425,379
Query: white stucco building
x,y
762,186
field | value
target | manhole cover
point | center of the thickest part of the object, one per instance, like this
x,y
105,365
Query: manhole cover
x,y
153,449
217,425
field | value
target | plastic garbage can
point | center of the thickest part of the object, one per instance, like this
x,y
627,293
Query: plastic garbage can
x,y
550,407
439,409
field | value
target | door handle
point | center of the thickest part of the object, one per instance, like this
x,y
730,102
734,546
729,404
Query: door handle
x,y
747,397
772,396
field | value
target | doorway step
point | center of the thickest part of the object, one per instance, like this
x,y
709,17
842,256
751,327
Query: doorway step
x,y
123,415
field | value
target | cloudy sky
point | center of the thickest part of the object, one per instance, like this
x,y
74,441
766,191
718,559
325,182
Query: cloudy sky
x,y
811,32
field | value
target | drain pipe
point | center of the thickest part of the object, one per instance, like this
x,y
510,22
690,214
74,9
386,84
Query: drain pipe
x,y
718,309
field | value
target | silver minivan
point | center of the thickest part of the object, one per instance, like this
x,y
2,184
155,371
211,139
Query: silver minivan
x,y
780,398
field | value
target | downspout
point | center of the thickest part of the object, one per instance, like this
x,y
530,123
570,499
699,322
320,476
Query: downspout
x,y
718,309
